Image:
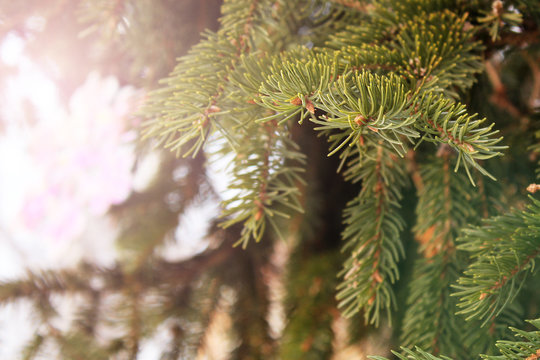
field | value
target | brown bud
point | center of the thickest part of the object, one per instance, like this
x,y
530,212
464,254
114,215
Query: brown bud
x,y
469,147
373,129
309,106
497,8
296,101
212,109
360,120
532,188
307,344
377,276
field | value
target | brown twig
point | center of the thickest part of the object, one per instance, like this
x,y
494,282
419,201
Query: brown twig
x,y
499,97
357,5
534,98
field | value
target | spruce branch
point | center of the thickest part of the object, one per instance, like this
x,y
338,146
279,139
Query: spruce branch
x,y
444,206
267,169
186,109
351,100
430,321
32,348
439,47
44,283
372,235
498,17
188,106
362,102
295,82
504,250
88,315
447,200
528,349
79,346
416,354
445,121
40,285
310,306
434,49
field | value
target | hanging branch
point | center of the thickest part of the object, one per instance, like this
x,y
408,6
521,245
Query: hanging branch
x,y
266,178
443,207
529,349
188,107
372,234
504,250
310,307
509,350
447,122
32,348
416,354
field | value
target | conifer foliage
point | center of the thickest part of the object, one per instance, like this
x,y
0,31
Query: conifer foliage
x,y
371,127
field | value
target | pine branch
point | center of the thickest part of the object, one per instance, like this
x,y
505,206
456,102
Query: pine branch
x,y
380,103
511,350
361,101
444,206
79,347
518,350
372,234
504,250
43,283
432,48
32,348
416,354
89,313
187,109
444,121
351,101
266,177
438,50
193,103
310,307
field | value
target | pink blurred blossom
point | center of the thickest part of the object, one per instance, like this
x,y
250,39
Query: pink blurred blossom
x,y
84,159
